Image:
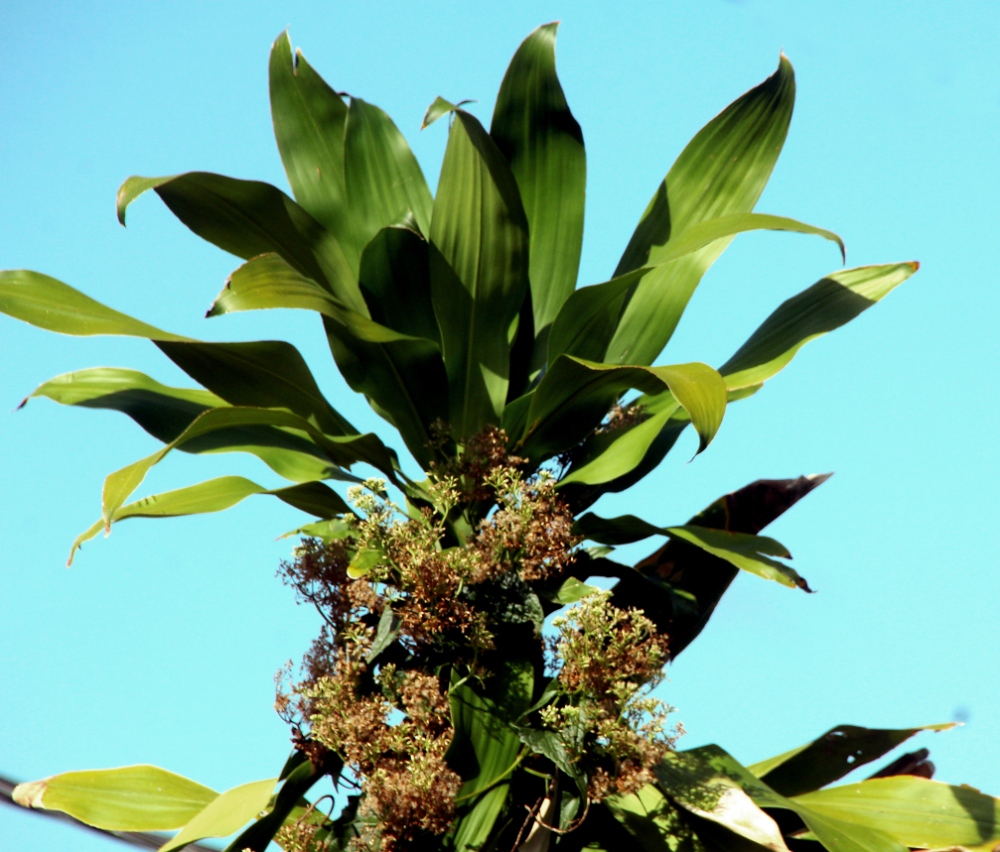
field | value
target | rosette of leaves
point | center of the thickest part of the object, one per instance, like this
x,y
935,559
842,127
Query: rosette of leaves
x,y
458,316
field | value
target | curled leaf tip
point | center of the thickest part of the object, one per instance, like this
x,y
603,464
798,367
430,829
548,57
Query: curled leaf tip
x,y
915,264
30,794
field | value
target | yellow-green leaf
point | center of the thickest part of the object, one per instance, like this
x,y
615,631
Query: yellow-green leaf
x,y
226,814
132,798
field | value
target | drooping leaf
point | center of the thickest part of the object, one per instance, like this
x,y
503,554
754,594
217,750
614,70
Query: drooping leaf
x,y
226,814
263,374
749,552
342,451
165,412
722,802
701,776
48,303
298,782
217,495
535,130
402,376
485,747
268,281
384,180
132,798
721,172
309,120
828,304
703,577
915,811
832,756
248,218
479,272
574,396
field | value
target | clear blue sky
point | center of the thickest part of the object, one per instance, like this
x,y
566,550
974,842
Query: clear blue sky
x,y
160,643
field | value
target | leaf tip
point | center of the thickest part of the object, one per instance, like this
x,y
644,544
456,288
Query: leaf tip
x,y
30,794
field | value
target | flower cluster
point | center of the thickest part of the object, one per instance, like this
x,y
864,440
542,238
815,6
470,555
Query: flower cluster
x,y
608,660
414,601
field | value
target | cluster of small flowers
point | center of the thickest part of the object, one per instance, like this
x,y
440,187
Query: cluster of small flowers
x,y
608,660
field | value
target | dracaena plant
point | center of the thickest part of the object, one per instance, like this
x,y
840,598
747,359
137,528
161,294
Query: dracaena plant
x,y
450,713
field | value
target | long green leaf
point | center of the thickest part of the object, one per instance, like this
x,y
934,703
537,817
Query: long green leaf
x,y
217,495
262,373
751,553
50,304
342,451
830,757
247,218
485,748
132,798
301,777
574,395
699,576
656,824
395,281
309,119
226,814
384,180
165,412
402,376
694,778
915,811
722,171
535,130
479,272
830,303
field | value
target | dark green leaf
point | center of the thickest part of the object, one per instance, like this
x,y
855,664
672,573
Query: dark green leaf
x,y
268,281
485,748
384,180
263,373
750,552
297,784
828,304
479,272
722,171
547,743
402,377
47,303
653,821
309,119
395,281
705,578
587,321
165,412
535,130
248,218
830,757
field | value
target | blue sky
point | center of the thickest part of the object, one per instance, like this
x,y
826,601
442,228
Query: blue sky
x,y
159,645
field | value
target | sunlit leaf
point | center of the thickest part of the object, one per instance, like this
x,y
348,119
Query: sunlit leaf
x,y
226,814
479,272
535,130
722,171
132,798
